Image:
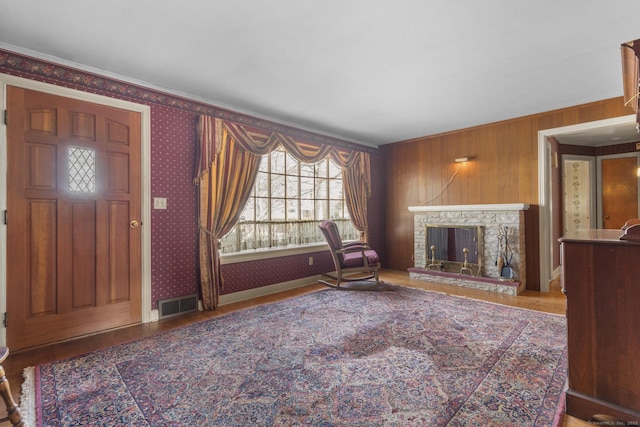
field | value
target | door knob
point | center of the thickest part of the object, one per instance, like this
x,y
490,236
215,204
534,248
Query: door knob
x,y
134,224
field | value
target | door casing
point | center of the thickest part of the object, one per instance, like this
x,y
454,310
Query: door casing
x,y
145,113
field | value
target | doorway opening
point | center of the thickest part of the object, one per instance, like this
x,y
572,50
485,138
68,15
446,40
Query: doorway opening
x,y
548,243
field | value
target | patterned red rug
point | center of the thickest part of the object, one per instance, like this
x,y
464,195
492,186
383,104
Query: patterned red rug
x,y
329,358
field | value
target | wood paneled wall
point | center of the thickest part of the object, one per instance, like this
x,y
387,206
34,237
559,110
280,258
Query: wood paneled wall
x,y
503,169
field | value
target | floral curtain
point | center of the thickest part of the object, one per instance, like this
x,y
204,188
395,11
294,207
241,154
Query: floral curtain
x,y
227,165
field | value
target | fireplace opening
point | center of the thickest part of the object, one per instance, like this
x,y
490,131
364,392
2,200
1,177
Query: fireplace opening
x,y
454,248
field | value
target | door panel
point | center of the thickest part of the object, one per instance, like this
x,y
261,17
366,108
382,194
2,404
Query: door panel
x,y
83,244
42,259
73,261
579,206
619,191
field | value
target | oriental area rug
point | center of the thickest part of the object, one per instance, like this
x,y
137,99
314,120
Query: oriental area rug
x,y
405,357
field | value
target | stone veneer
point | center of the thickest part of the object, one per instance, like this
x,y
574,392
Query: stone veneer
x,y
491,217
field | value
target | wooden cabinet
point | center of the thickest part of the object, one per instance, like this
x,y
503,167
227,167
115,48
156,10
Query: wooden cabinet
x,y
601,278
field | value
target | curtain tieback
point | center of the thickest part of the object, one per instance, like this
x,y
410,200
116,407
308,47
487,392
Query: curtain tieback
x,y
211,235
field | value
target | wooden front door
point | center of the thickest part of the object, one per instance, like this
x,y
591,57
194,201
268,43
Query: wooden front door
x,y
73,212
619,191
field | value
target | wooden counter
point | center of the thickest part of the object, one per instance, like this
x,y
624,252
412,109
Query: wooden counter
x,y
601,279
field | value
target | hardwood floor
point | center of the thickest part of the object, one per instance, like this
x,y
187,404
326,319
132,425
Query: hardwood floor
x,y
551,302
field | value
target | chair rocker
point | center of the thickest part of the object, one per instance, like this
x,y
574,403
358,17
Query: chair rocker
x,y
354,261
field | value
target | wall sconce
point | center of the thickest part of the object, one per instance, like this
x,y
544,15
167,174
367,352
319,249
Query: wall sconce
x,y
462,159
638,172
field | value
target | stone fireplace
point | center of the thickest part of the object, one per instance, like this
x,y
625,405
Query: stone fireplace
x,y
498,224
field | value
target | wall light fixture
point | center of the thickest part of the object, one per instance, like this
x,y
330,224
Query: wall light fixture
x,y
462,159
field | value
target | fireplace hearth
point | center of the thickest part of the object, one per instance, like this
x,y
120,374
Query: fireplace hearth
x,y
480,229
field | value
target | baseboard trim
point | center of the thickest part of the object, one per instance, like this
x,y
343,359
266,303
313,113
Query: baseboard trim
x,y
267,290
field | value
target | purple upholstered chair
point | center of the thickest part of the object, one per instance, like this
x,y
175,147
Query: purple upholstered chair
x,y
354,261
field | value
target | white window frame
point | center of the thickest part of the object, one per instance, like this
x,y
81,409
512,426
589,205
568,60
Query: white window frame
x,y
269,173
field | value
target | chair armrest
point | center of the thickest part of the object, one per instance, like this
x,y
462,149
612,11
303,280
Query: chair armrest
x,y
353,243
354,248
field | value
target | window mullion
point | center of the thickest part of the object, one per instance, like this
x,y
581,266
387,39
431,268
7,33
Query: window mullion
x,y
328,187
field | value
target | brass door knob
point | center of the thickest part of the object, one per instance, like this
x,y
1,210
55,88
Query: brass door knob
x,y
134,224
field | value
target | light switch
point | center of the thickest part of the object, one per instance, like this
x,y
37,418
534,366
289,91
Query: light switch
x,y
159,203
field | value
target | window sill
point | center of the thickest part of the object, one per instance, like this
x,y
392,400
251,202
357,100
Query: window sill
x,y
258,254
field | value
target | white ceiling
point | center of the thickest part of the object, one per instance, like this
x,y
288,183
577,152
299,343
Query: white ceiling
x,y
369,71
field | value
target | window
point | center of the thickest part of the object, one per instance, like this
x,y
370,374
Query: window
x,y
288,200
82,170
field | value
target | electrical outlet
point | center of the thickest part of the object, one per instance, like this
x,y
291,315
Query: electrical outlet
x,y
159,203
310,260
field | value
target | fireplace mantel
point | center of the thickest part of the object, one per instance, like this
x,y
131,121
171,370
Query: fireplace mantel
x,y
490,207
492,217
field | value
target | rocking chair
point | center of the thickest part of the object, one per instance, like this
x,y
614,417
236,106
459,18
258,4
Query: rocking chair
x,y
354,261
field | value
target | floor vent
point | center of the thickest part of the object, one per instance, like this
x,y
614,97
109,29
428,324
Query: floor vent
x,y
174,306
